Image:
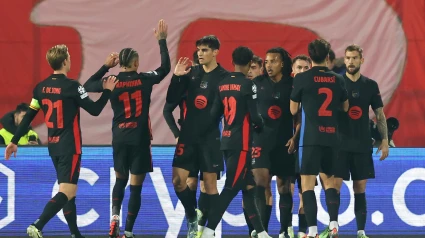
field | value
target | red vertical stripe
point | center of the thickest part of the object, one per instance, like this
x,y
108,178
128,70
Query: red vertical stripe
x,y
245,133
184,109
77,134
241,166
74,165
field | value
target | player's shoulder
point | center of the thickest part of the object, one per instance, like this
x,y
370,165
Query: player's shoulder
x,y
368,80
259,79
222,72
149,74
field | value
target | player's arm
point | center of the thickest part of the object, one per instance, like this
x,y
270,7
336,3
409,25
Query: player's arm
x,y
217,108
179,82
297,124
251,97
296,94
344,94
169,118
381,120
84,101
95,82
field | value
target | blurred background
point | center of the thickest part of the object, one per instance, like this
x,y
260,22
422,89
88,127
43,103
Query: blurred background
x,y
391,33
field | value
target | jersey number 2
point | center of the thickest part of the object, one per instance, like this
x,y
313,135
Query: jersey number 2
x,y
323,110
59,113
229,109
136,96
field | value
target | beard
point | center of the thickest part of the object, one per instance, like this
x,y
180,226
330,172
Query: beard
x,y
352,71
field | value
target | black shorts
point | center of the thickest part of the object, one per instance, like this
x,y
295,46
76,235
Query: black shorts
x,y
359,165
205,157
318,159
297,179
196,173
238,172
132,159
67,168
277,160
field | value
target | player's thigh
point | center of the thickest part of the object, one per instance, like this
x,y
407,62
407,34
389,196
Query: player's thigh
x,y
282,163
193,173
120,154
210,157
68,168
362,166
311,160
236,168
185,157
260,158
140,158
328,157
341,164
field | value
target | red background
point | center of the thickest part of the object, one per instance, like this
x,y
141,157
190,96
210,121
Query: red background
x,y
23,46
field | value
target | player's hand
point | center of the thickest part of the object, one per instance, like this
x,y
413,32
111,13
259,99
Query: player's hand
x,y
182,67
291,145
112,60
32,143
110,83
177,140
384,148
162,31
11,148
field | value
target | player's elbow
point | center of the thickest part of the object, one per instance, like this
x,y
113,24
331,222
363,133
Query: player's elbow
x,y
345,106
293,108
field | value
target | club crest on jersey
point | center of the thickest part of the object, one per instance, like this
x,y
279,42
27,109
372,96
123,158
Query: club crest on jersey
x,y
82,92
355,94
276,95
204,84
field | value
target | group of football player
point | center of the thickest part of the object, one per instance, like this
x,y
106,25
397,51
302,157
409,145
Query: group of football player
x,y
290,118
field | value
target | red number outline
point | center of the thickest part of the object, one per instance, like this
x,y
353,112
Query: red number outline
x,y
323,110
59,113
229,109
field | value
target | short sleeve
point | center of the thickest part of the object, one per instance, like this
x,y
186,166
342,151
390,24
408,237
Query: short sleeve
x,y
376,100
249,89
297,89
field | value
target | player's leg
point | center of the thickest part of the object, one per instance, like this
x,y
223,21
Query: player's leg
x,y
269,203
283,166
302,222
68,172
260,169
203,204
290,227
247,220
310,167
183,162
331,194
362,169
192,182
121,167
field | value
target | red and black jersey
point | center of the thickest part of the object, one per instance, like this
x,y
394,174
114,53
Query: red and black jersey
x,y
60,98
354,126
273,105
321,93
236,100
200,87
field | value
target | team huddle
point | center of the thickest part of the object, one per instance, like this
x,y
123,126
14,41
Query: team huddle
x,y
290,118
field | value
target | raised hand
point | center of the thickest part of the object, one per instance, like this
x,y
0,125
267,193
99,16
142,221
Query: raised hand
x,y
162,30
182,66
112,60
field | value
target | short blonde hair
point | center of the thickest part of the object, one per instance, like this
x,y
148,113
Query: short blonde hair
x,y
56,56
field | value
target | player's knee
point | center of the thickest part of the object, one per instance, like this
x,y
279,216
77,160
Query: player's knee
x,y
178,183
70,190
359,186
192,183
202,186
301,209
137,180
338,184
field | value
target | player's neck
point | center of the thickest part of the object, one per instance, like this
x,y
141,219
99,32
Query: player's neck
x,y
313,64
210,67
277,78
353,77
60,72
128,69
239,69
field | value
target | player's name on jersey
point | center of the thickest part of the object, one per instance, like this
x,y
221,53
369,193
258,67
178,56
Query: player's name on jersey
x,y
51,90
129,84
230,87
321,79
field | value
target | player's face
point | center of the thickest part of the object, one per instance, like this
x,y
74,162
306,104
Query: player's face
x,y
353,62
68,63
300,66
19,117
273,64
254,70
206,55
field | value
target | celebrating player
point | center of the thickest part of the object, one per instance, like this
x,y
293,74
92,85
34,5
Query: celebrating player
x,y
60,98
131,130
300,63
322,94
256,68
196,151
355,155
269,155
236,100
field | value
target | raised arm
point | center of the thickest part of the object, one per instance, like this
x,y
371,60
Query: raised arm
x,y
84,101
161,35
179,82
